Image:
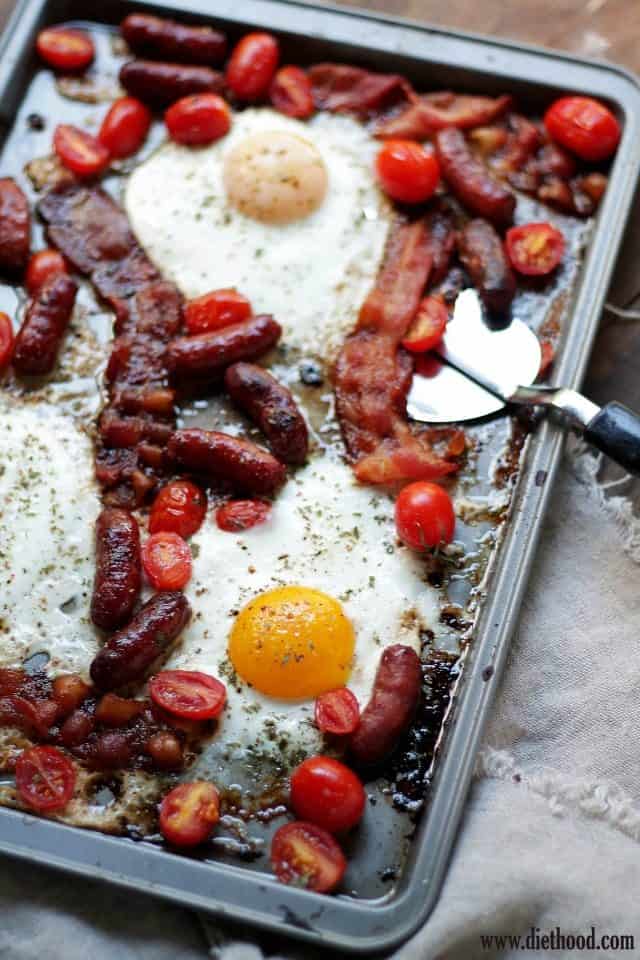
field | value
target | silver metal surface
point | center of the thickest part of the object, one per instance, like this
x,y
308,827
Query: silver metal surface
x,y
500,359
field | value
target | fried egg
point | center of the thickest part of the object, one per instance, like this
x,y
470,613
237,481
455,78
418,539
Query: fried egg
x,y
289,213
301,604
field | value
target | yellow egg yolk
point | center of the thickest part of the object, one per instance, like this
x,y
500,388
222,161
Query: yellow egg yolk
x,y
292,643
275,177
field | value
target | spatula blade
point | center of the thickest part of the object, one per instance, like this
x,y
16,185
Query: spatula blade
x,y
497,359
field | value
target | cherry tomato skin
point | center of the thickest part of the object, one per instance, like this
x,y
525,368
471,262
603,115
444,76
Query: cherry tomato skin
x,y
306,855
535,249
188,694
327,793
79,151
7,340
45,778
198,119
180,507
238,515
291,93
424,515
166,560
41,266
252,66
214,310
189,813
427,329
584,126
406,171
65,49
125,127
337,712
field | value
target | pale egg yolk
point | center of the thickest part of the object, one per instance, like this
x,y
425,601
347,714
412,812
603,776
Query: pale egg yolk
x,y
292,643
275,177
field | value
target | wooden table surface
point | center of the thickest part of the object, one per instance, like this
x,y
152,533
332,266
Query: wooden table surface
x,y
596,28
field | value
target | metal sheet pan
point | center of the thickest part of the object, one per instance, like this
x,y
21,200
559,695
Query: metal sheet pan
x,y
431,58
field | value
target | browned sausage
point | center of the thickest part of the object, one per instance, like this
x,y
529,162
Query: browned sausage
x,y
395,696
272,407
164,83
482,253
129,654
155,37
204,356
233,461
471,181
43,327
116,587
15,226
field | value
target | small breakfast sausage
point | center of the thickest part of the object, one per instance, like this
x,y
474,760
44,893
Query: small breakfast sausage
x,y
15,226
482,253
205,355
118,569
156,37
395,696
471,181
233,461
164,83
129,654
272,407
46,319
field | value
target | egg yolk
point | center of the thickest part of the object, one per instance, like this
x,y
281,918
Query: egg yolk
x,y
275,177
292,643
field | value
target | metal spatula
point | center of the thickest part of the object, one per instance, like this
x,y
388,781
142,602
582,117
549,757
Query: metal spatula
x,y
477,370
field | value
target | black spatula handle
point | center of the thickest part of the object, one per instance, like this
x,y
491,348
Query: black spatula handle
x,y
615,430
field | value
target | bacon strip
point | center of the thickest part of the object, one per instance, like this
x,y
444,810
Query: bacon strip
x,y
373,373
341,88
393,302
94,234
435,111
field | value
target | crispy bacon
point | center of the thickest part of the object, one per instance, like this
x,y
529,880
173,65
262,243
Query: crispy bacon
x,y
373,373
341,88
93,233
393,302
435,111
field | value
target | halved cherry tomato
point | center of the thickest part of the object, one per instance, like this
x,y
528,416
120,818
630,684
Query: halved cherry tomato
x,y
166,559
337,711
64,48
535,249
189,813
291,93
429,324
125,127
238,515
252,65
180,507
41,266
583,125
424,515
188,694
6,340
198,119
306,855
79,151
45,778
214,310
325,792
406,171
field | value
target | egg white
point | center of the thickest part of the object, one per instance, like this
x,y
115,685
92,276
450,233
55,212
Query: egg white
x,y
312,274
